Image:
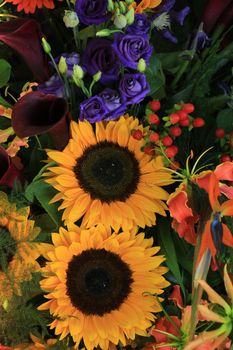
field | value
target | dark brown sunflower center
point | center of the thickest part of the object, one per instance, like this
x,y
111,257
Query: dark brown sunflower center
x,y
108,172
98,281
7,248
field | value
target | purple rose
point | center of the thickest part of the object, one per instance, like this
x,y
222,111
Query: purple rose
x,y
99,55
134,88
114,103
53,86
93,109
92,11
130,48
71,59
141,25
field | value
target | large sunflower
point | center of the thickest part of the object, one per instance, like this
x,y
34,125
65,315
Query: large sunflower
x,y
100,285
104,176
18,252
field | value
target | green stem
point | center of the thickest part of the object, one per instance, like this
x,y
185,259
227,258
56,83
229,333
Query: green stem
x,y
180,73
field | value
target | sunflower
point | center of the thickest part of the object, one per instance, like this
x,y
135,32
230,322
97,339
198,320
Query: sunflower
x,y
18,252
40,344
101,286
30,6
104,176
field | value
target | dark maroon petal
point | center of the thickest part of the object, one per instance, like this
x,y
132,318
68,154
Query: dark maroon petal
x,y
8,171
212,12
24,36
37,113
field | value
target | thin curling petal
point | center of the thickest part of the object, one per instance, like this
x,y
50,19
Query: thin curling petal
x,y
228,284
213,296
209,315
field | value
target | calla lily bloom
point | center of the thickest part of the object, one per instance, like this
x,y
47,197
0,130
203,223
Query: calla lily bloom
x,y
37,113
8,171
24,36
215,230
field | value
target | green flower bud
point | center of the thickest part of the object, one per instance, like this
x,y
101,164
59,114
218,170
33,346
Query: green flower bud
x,y
46,46
104,32
141,65
130,16
78,72
97,76
110,6
122,7
70,19
5,305
129,2
120,21
62,66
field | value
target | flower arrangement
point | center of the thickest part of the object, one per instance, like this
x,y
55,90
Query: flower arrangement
x,y
116,174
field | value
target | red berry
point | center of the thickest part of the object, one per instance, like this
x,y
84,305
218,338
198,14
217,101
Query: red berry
x,y
182,114
167,141
225,158
171,151
198,122
175,131
137,134
154,119
219,133
150,150
154,105
174,118
184,122
154,137
188,108
231,139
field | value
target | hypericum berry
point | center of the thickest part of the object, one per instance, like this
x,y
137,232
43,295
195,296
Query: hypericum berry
x,y
188,108
182,114
174,118
150,150
137,134
231,139
171,151
167,141
225,158
153,119
219,133
175,131
154,137
184,122
198,122
154,105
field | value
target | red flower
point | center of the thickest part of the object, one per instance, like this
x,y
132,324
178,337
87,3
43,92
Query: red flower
x,y
30,6
24,36
8,171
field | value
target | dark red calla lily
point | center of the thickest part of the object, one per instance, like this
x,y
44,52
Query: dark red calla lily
x,y
37,113
24,36
8,171
213,12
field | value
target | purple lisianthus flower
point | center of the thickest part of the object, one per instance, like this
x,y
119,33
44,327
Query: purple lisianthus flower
x,y
99,55
134,88
53,86
114,103
141,25
93,109
130,48
71,59
92,11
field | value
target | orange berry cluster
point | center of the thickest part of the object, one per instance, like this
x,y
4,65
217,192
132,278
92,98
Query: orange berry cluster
x,y
163,131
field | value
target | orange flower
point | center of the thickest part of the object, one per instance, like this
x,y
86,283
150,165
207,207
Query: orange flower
x,y
30,6
146,4
215,231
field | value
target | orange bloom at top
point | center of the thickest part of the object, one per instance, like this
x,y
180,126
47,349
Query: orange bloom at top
x,y
30,6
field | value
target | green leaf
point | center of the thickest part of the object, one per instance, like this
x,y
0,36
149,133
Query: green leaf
x,y
4,103
5,72
43,192
225,119
154,75
168,248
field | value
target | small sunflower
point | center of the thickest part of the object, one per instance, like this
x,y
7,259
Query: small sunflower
x,y
18,252
100,286
104,176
